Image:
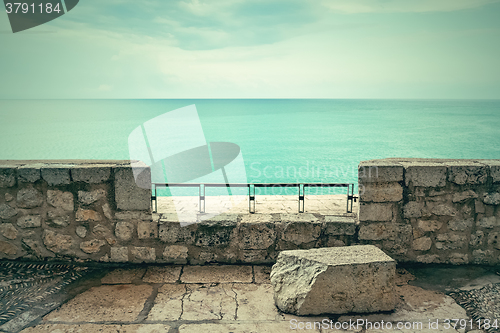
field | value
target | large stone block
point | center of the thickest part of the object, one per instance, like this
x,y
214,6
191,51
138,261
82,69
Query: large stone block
x,y
376,211
29,198
340,225
467,172
217,231
6,211
128,195
60,199
379,171
91,174
425,174
56,174
377,231
300,228
381,192
7,176
29,173
494,166
334,280
256,235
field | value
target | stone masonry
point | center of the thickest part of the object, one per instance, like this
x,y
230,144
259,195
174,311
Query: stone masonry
x,y
432,210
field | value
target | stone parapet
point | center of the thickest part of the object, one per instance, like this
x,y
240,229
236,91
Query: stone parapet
x,y
437,211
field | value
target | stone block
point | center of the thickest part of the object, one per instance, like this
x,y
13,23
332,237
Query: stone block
x,y
124,230
172,232
8,248
256,236
147,230
175,254
413,209
217,231
60,199
9,197
494,166
88,198
442,209
6,211
301,232
92,246
488,222
429,225
254,256
334,280
463,196
119,254
376,211
162,274
492,198
422,244
128,195
81,231
133,215
381,192
460,225
8,231
450,241
7,176
83,215
29,198
217,274
29,173
425,174
29,221
377,231
142,254
339,225
379,171
428,258
56,242
56,174
467,172
91,174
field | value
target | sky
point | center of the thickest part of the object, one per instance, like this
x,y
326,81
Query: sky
x,y
423,49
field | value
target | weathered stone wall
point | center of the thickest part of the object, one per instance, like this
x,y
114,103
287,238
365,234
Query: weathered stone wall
x,y
432,210
93,210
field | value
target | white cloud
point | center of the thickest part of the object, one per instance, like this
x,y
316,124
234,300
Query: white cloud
x,y
402,6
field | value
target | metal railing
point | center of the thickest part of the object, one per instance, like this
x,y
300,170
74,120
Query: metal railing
x,y
251,192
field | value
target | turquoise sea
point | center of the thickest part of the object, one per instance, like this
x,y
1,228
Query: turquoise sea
x,y
281,140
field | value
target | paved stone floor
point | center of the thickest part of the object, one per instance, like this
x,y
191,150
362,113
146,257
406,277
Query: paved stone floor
x,y
238,299
264,204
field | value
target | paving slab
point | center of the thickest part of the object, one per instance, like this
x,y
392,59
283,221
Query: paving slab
x,y
162,274
255,301
217,274
262,274
114,303
168,303
98,328
208,302
239,328
417,304
123,276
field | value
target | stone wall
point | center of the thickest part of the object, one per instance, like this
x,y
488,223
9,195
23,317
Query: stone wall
x,y
93,211
432,210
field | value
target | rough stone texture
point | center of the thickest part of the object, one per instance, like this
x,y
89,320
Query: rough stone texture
x,y
216,274
6,211
429,225
56,174
58,218
106,209
162,274
363,275
90,174
300,229
492,198
374,192
7,248
29,173
143,254
9,197
260,327
175,254
7,176
413,209
29,198
127,302
450,241
128,195
146,230
8,231
98,328
376,212
56,242
87,215
123,276
422,244
216,231
172,232
465,195
29,221
133,215
88,198
340,225
380,171
60,199
377,231
487,222
256,236
466,173
81,231
92,246
425,174
124,230
460,225
119,254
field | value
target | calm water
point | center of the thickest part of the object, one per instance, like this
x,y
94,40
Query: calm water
x,y
281,140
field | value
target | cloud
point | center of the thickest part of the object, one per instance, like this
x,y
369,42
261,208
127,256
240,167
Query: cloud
x,y
402,6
